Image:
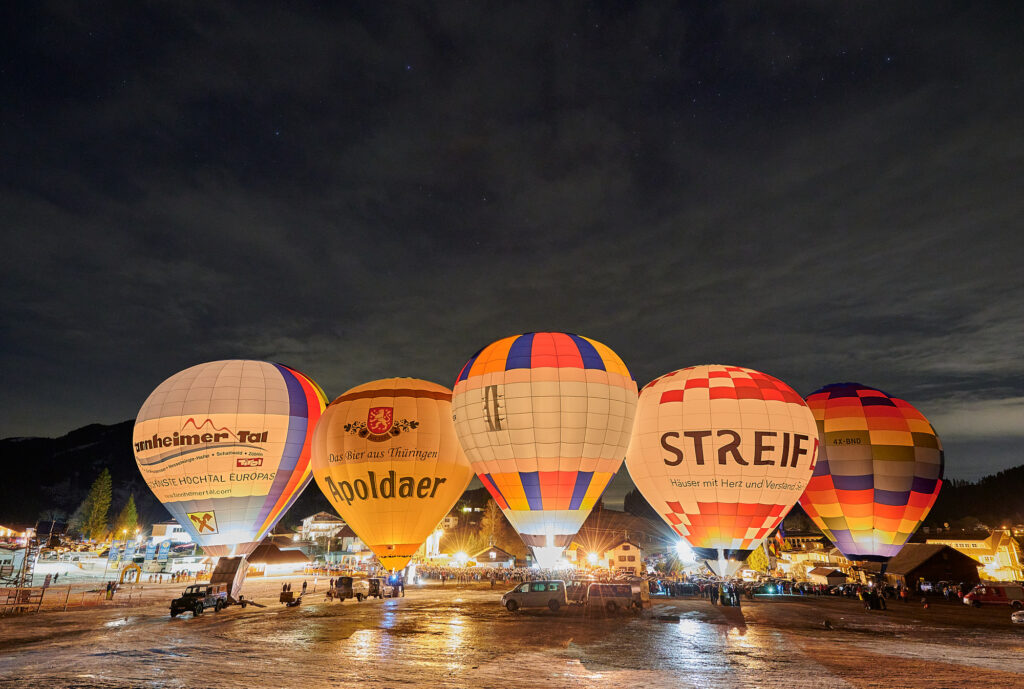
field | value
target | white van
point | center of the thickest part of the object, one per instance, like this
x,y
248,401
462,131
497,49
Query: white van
x,y
536,594
611,597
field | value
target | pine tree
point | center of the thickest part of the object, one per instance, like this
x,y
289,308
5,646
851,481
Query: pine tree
x,y
494,529
76,522
491,523
97,504
635,504
757,560
128,517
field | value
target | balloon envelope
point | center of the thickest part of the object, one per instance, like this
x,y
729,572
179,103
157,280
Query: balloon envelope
x,y
225,447
880,471
386,456
722,453
545,419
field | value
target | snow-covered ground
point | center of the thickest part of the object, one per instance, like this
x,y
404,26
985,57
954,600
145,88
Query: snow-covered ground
x,y
461,637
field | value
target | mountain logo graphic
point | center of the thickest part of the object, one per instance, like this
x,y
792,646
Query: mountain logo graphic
x,y
207,423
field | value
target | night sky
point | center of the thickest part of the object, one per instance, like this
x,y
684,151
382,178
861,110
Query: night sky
x,y
824,192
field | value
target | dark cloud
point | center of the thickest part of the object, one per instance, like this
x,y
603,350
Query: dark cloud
x,y
825,193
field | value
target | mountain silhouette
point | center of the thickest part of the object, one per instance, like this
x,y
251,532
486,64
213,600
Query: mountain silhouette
x,y
43,474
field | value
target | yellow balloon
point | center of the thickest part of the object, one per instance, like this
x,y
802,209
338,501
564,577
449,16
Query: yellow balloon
x,y
386,456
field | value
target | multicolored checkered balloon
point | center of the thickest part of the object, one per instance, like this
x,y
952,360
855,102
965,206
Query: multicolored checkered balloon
x,y
879,474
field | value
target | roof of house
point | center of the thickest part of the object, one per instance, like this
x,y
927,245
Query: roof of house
x,y
347,532
913,555
622,543
270,554
982,543
324,517
497,550
827,572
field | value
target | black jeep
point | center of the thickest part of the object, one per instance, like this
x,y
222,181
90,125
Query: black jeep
x,y
198,597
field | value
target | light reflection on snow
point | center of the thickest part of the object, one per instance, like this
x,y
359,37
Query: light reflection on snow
x,y
429,640
688,627
740,638
361,646
454,637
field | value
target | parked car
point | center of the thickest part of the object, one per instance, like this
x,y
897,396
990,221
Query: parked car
x,y
380,588
199,597
611,597
342,589
641,594
1017,617
536,594
996,594
576,590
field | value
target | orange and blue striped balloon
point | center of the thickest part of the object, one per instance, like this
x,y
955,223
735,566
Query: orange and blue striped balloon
x,y
545,419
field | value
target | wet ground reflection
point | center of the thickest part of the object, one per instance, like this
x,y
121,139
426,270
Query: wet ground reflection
x,y
449,639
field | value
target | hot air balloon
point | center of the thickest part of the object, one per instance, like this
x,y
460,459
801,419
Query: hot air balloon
x,y
386,456
722,453
545,419
879,474
225,447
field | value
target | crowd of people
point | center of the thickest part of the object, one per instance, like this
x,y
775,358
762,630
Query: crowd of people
x,y
718,591
873,597
171,578
502,575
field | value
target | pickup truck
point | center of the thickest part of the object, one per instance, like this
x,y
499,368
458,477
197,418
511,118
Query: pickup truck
x,y
199,597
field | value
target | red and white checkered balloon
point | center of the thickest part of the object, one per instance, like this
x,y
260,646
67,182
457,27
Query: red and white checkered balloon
x,y
722,453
